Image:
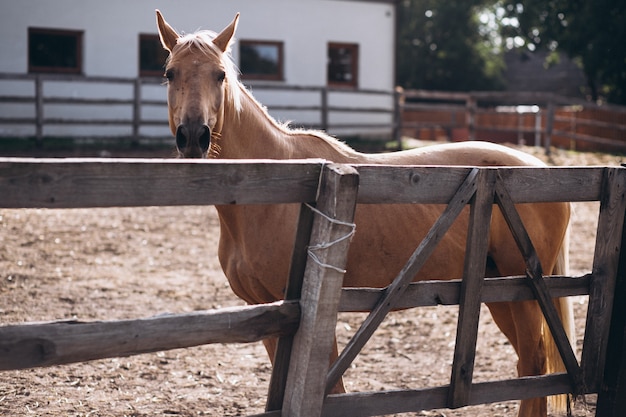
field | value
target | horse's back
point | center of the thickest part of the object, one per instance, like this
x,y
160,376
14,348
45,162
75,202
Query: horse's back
x,y
459,153
388,234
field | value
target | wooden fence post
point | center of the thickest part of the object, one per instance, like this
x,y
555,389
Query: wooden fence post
x,y
549,126
398,110
604,272
471,286
538,128
470,103
39,110
611,399
282,357
321,290
136,110
324,108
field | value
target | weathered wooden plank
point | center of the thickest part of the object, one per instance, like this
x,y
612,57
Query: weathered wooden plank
x,y
409,184
437,184
321,289
432,293
386,402
401,401
59,183
280,368
605,265
45,344
399,285
531,185
471,288
611,398
73,183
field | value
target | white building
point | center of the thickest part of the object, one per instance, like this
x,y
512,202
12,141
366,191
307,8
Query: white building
x,y
88,54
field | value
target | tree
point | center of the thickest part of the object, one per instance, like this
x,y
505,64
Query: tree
x,y
440,47
592,31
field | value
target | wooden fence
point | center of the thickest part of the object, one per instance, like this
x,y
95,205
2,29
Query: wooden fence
x,y
37,117
305,321
539,119
323,104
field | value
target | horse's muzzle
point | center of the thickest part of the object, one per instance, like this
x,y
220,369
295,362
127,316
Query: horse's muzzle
x,y
193,140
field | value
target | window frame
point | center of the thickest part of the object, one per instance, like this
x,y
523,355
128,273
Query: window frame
x,y
279,75
78,36
150,72
354,65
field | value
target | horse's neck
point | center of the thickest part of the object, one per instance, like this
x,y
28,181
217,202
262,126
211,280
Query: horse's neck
x,y
253,134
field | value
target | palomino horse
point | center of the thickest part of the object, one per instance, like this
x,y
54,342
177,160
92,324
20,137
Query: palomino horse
x,y
212,114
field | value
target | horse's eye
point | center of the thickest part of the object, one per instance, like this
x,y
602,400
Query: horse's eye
x,y
169,75
221,76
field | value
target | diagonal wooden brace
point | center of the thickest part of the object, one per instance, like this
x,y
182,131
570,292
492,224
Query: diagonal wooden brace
x,y
395,290
534,274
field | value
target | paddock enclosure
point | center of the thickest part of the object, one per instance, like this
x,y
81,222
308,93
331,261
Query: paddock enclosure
x,y
307,319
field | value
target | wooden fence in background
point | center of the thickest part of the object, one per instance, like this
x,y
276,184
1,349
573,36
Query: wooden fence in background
x,y
306,330
539,119
531,118
38,98
324,103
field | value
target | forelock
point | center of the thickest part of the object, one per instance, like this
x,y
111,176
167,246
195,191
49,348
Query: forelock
x,y
203,41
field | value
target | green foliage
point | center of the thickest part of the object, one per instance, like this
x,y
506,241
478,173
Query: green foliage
x,y
591,31
440,47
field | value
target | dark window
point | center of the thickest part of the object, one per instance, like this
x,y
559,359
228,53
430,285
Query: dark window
x,y
343,61
152,56
51,50
261,60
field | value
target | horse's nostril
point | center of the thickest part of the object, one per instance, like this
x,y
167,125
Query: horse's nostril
x,y
181,138
204,140
193,139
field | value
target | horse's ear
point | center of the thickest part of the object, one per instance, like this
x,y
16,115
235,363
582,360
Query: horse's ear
x,y
167,34
225,36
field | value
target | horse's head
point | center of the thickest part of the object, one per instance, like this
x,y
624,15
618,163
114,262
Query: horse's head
x,y
196,86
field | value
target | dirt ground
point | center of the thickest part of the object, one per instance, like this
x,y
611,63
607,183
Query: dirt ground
x,y
101,264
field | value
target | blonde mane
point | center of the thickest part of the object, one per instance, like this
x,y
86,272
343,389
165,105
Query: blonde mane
x,y
285,128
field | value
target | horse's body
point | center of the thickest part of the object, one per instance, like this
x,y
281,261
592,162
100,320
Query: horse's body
x,y
212,114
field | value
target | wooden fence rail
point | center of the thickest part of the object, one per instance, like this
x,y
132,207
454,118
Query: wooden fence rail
x,y
306,320
73,341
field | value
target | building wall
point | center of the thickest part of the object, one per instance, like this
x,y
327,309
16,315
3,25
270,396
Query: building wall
x,y
111,32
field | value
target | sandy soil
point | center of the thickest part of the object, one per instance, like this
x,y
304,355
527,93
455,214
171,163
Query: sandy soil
x,y
127,263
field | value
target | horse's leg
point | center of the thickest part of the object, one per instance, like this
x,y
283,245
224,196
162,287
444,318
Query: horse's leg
x,y
339,387
525,335
502,316
270,346
521,323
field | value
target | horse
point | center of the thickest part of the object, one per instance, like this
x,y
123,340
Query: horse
x,y
213,115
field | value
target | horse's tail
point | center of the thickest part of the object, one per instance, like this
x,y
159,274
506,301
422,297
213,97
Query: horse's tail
x,y
564,307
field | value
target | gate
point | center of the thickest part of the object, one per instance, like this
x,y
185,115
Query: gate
x,y
306,319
